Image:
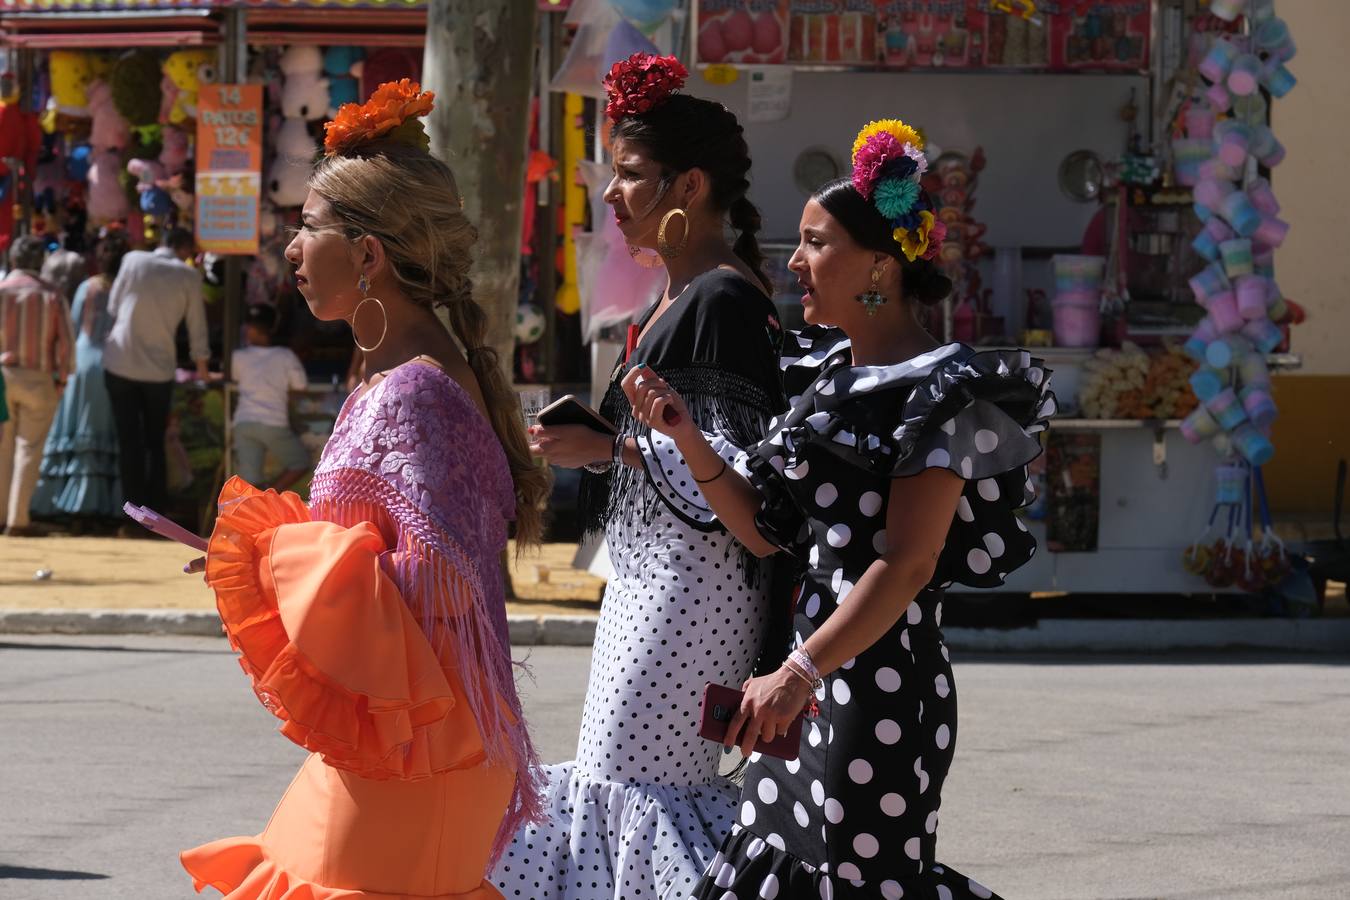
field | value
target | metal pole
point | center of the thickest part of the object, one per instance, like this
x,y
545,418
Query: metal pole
x,y
233,65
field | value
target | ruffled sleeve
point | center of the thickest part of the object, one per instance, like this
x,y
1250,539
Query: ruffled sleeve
x,y
975,413
327,641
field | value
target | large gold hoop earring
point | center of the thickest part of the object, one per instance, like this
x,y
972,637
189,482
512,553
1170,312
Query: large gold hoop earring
x,y
663,246
364,286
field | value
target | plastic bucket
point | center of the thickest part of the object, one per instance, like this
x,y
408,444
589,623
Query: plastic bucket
x,y
1077,319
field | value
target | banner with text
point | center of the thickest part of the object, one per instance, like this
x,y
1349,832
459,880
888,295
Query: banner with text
x,y
229,167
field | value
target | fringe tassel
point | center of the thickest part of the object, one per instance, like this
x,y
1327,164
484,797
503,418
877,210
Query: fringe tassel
x,y
463,615
720,402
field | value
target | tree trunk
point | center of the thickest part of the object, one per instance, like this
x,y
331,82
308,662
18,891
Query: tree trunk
x,y
480,62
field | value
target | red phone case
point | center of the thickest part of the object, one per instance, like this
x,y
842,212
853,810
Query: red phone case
x,y
719,706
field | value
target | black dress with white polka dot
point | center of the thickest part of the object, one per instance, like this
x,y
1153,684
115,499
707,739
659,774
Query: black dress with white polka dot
x,y
855,815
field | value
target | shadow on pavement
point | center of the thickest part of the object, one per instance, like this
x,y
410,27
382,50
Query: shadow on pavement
x,y
30,874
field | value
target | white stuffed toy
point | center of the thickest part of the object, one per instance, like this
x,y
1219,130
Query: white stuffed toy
x,y
304,93
290,170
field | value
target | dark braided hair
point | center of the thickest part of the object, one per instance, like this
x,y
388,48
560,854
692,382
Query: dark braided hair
x,y
920,280
686,133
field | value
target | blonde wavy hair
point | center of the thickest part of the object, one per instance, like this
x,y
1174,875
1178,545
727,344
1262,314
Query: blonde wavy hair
x,y
410,201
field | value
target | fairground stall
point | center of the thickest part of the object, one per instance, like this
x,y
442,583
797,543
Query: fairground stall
x,y
1108,175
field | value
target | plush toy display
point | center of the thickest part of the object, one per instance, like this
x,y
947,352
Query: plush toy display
x,y
185,71
107,200
136,92
304,93
110,131
295,155
71,72
155,201
173,155
343,66
389,64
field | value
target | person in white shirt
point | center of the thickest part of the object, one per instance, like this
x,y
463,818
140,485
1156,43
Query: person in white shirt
x,y
152,294
265,376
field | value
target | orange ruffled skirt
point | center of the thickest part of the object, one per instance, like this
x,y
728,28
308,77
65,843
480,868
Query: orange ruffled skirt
x,y
397,801
338,835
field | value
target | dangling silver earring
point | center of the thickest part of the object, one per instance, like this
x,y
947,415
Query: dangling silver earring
x,y
363,285
873,299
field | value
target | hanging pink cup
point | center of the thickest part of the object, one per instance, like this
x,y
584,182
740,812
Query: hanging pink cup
x,y
1244,76
1218,61
1262,197
1223,309
1233,139
1260,406
1253,292
1219,98
1211,191
1227,408
1271,232
1264,334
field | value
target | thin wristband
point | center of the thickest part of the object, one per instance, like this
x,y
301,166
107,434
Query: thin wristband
x,y
719,474
617,448
795,671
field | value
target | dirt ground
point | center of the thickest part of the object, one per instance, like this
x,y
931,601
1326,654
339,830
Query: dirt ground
x,y
111,573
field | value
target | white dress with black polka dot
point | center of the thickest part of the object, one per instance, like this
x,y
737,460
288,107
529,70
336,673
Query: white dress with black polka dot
x,y
855,814
640,813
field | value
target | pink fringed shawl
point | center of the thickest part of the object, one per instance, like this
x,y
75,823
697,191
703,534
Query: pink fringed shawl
x,y
414,456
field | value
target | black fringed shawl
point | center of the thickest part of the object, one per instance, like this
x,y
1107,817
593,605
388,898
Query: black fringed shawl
x,y
718,346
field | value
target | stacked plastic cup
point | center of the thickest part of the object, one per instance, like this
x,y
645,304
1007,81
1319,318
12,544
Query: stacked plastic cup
x,y
1253,296
1260,406
1237,257
1228,350
1227,409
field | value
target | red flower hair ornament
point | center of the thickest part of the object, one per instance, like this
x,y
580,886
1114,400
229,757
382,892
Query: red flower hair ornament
x,y
641,83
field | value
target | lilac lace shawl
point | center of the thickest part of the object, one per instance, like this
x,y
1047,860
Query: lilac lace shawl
x,y
414,456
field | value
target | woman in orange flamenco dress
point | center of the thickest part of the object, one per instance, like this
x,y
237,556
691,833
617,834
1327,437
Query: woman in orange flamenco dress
x,y
372,622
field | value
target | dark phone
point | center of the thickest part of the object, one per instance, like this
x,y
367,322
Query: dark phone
x,y
568,410
719,706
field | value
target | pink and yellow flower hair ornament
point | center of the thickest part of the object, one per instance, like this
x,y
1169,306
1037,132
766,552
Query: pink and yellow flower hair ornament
x,y
888,165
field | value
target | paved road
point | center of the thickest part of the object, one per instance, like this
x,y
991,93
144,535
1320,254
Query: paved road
x,y
1075,779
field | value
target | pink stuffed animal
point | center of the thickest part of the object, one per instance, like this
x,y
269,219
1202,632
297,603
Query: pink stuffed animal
x,y
109,131
174,156
107,200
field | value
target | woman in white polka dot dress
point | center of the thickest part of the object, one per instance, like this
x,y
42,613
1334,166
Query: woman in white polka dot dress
x,y
896,471
641,811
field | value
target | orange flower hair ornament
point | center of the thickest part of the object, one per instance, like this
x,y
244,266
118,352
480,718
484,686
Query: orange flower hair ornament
x,y
393,113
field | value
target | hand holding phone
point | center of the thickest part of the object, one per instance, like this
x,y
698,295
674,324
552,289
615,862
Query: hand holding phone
x,y
720,704
164,527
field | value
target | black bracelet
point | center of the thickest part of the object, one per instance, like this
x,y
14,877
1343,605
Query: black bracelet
x,y
719,474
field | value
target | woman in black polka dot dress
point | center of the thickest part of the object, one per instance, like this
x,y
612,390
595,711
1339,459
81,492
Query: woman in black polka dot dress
x,y
641,810
896,471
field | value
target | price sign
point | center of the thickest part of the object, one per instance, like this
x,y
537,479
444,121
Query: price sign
x,y
229,167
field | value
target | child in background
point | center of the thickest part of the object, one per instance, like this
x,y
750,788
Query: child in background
x,y
265,376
